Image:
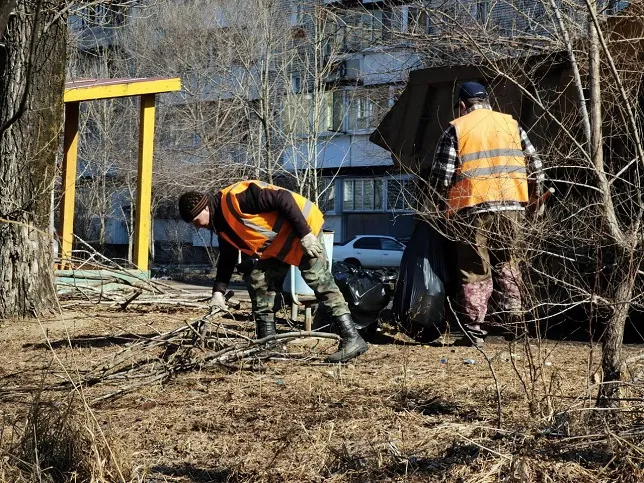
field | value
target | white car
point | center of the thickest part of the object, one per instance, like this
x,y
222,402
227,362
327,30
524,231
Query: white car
x,y
370,251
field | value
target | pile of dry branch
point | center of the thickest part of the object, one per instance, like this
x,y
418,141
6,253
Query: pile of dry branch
x,y
202,343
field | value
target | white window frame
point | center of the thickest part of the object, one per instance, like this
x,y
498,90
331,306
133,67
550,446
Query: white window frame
x,y
355,97
386,181
406,12
397,180
331,188
362,209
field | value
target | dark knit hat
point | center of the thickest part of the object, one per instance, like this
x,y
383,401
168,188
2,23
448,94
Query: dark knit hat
x,y
191,204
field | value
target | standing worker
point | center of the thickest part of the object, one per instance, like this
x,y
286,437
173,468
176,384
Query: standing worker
x,y
277,228
485,171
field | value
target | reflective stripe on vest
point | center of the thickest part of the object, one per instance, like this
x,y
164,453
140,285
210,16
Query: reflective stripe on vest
x,y
494,153
268,235
492,165
489,171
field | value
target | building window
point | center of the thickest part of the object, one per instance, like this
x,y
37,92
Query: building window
x,y
377,194
366,107
356,30
296,83
297,114
351,110
297,13
333,111
359,114
371,28
481,11
399,194
616,6
363,195
417,21
306,113
100,15
409,20
326,194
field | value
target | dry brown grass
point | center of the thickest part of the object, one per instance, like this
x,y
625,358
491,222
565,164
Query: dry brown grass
x,y
59,441
396,414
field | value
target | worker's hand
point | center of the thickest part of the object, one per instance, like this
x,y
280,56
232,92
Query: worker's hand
x,y
312,247
218,302
537,204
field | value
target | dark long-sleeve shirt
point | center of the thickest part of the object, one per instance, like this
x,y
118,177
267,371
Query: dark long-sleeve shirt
x,y
253,200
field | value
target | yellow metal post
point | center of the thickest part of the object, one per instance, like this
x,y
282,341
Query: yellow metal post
x,y
92,89
70,158
144,185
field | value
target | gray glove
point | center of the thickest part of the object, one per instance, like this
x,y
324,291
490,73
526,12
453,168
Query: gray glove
x,y
312,247
217,301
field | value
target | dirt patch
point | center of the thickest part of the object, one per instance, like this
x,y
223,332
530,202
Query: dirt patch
x,y
400,412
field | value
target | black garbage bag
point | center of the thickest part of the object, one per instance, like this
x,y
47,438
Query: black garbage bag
x,y
364,292
419,298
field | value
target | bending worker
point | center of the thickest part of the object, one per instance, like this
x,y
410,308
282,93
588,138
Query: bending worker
x,y
277,228
485,171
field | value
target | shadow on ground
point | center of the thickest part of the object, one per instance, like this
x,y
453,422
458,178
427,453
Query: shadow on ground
x,y
390,464
193,473
89,341
432,405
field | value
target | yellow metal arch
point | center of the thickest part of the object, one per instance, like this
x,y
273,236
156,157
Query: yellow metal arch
x,y
94,89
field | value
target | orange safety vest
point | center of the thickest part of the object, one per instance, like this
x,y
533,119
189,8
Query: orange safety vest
x,y
268,235
493,166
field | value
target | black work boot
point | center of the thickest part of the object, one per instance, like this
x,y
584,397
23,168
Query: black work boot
x,y
265,326
472,337
351,344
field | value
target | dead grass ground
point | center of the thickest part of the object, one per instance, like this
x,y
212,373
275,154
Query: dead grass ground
x,y
401,412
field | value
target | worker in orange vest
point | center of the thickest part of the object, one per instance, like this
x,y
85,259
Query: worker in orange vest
x,y
484,173
277,228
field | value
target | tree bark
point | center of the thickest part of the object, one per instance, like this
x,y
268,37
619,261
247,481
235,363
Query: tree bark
x,y
623,280
28,156
612,341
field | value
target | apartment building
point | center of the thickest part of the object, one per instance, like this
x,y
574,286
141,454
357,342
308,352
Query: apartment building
x,y
369,49
313,94
366,64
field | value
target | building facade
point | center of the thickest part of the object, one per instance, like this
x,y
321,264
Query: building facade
x,y
288,92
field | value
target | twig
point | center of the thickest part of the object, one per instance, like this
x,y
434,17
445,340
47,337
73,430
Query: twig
x,y
125,304
127,389
499,410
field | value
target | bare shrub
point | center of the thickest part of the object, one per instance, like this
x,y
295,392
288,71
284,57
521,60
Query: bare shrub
x,y
61,442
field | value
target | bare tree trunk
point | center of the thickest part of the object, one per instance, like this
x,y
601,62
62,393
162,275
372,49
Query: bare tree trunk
x,y
609,391
28,156
608,395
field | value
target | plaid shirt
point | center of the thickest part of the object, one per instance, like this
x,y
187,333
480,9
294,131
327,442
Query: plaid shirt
x,y
446,161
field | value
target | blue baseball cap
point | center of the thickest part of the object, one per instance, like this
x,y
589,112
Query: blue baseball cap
x,y
469,90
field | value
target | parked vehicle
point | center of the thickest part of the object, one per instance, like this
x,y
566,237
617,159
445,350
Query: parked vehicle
x,y
372,251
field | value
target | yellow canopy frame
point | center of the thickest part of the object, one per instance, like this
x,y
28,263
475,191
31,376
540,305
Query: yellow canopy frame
x,y
94,89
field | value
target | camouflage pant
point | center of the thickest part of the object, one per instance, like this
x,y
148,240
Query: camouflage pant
x,y
267,279
486,258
